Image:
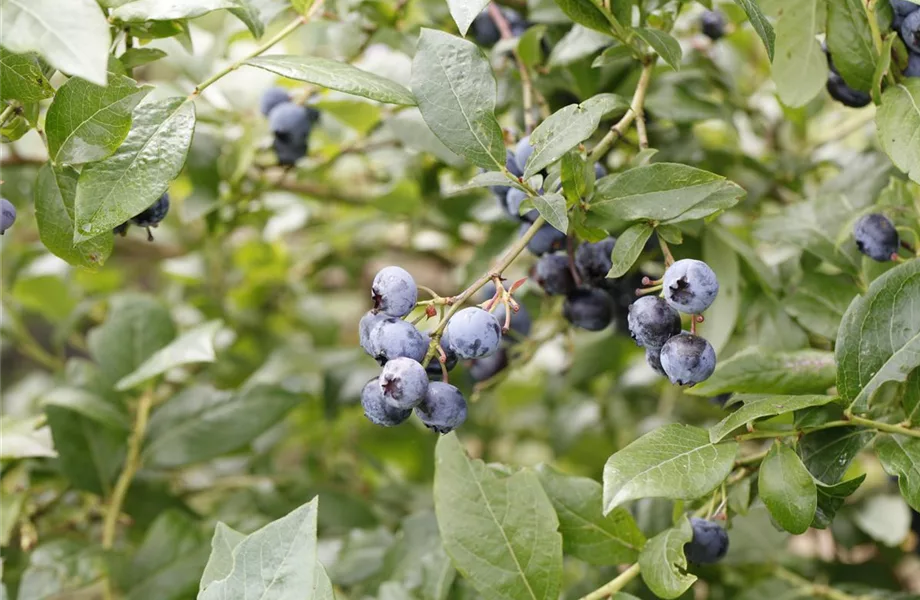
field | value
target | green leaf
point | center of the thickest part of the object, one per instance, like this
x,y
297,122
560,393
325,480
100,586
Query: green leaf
x,y
25,438
672,235
89,405
500,531
898,119
201,422
194,346
656,465
663,192
586,533
258,14
87,122
157,10
169,561
879,337
581,42
787,489
485,179
220,563
336,76
900,456
759,407
886,518
566,128
663,43
552,208
827,453
322,590
418,560
112,191
464,11
530,46
760,24
277,561
628,247
138,57
586,13
831,498
757,372
723,260
764,275
55,190
455,89
754,540
75,41
819,302
575,175
849,41
882,67
89,453
21,78
910,398
663,564
136,327
799,66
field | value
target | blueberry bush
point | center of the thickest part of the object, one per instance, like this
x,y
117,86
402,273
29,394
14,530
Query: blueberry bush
x,y
459,299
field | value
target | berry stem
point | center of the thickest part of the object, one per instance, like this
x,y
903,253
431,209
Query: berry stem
x,y
668,257
612,587
649,290
132,464
635,109
285,31
886,427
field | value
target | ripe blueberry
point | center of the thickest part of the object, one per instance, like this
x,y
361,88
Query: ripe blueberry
x,y
482,369
291,124
713,24
599,170
841,92
147,218
403,382
366,328
521,322
690,286
688,359
513,201
272,97
553,274
876,237
900,10
522,153
7,215
588,308
379,411
484,30
910,31
394,338
709,544
653,358
652,321
394,292
443,409
913,65
474,333
547,239
592,259
501,191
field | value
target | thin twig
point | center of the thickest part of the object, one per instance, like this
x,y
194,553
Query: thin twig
x,y
614,586
526,82
636,107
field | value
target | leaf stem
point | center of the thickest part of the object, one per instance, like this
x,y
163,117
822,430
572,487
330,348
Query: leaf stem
x,y
886,427
873,25
636,108
132,464
7,114
615,585
285,31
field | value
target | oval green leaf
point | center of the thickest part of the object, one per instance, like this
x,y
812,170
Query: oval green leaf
x,y
663,563
787,489
898,119
755,371
628,247
758,407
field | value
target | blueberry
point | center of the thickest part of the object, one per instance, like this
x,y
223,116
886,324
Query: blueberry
x,y
377,410
512,165
513,201
652,321
484,30
721,399
653,358
876,237
841,92
903,8
291,124
522,153
272,97
443,409
593,260
394,338
690,286
366,328
7,215
147,218
553,273
713,24
910,31
547,239
709,543
501,191
599,170
403,382
688,359
394,292
474,333
516,22
588,308
482,369
913,65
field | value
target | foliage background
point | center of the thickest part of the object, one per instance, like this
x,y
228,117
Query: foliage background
x,y
271,275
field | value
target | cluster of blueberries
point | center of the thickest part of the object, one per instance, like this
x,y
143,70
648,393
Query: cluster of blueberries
x,y
7,215
147,218
906,22
689,286
290,122
877,237
400,348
